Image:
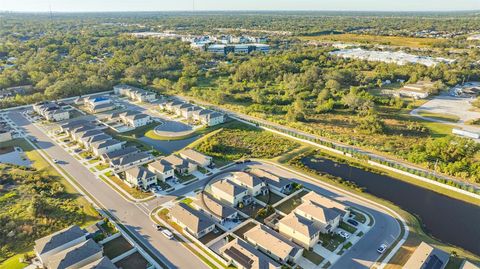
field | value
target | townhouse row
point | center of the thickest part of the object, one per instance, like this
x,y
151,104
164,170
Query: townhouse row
x,y
51,111
193,112
134,93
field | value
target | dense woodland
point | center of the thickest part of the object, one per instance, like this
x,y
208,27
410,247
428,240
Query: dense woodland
x,y
297,85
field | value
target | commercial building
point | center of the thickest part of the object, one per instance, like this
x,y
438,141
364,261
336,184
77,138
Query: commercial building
x,y
419,90
223,49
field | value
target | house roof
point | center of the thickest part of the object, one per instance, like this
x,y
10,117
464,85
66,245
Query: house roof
x,y
90,133
58,239
137,116
247,256
273,241
160,165
139,172
176,161
130,158
193,219
106,143
103,263
100,106
228,187
100,137
427,257
83,128
246,179
194,156
73,255
120,152
72,124
270,178
97,99
317,213
300,224
208,203
324,202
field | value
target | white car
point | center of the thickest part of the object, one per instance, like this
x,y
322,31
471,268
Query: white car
x,y
343,234
167,234
55,161
382,248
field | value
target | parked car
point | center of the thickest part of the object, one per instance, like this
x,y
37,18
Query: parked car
x,y
382,248
156,226
55,161
353,222
167,233
343,234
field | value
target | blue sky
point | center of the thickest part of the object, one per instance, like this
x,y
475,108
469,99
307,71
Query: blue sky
x,y
169,5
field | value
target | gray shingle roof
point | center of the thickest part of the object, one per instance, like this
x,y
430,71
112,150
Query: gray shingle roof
x,y
73,255
139,172
193,219
130,158
120,153
103,263
58,239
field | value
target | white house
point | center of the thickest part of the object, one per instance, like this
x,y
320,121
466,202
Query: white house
x,y
134,93
180,165
299,229
107,146
253,184
135,119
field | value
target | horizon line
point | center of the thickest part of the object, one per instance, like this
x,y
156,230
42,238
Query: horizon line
x,y
240,10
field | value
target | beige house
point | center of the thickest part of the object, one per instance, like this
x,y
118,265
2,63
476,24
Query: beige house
x,y
230,192
206,203
162,169
273,244
5,135
140,177
274,182
326,219
254,185
196,157
180,165
244,256
425,256
299,229
191,220
326,202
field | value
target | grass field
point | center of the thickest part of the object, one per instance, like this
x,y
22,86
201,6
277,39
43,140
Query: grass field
x,y
438,116
413,42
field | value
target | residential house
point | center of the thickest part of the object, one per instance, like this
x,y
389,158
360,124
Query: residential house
x,y
107,146
326,219
163,169
468,265
134,93
196,157
206,203
96,139
180,165
326,202
255,185
182,109
110,156
135,119
170,104
208,117
84,136
51,111
299,229
98,104
191,220
426,257
67,127
52,244
76,256
130,160
103,263
273,244
228,191
139,176
244,256
77,132
274,182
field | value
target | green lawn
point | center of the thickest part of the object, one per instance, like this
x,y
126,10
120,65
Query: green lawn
x,y
101,166
437,116
184,178
312,256
13,263
118,183
331,242
347,227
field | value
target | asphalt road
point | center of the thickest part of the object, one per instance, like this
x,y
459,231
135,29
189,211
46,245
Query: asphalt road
x,y
133,216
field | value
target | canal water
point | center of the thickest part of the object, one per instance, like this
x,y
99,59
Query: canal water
x,y
450,220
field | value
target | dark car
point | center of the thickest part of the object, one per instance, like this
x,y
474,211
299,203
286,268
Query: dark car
x,y
353,222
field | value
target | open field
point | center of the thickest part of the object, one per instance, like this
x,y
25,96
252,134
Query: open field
x,y
438,116
413,42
